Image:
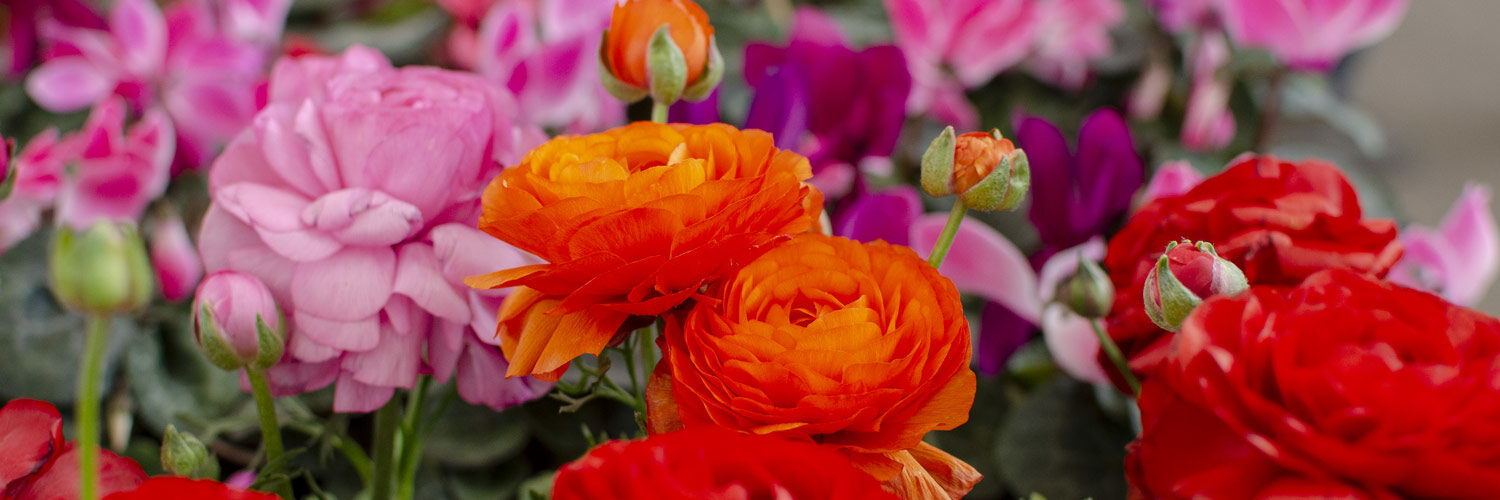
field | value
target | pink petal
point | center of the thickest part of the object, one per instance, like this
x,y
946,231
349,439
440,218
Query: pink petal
x,y
351,285
69,84
353,396
1073,344
465,251
362,217
225,243
276,215
394,362
174,259
142,34
981,261
304,348
419,276
443,348
481,379
290,378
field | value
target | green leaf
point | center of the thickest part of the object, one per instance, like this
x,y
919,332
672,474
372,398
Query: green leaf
x,y
473,436
1060,444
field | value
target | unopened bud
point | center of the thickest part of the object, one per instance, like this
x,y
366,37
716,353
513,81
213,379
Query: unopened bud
x,y
1089,292
662,48
103,270
985,170
1185,276
182,454
236,322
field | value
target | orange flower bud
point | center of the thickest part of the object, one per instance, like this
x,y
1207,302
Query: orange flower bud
x,y
636,66
975,155
985,170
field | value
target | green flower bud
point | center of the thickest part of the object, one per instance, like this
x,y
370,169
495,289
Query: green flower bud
x,y
103,270
1089,292
182,454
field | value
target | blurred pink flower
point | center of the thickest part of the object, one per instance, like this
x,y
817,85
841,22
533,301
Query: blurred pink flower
x,y
39,174
1310,34
1069,337
114,173
1071,35
1180,16
953,45
546,53
24,18
354,197
1208,124
1459,258
1171,179
203,61
174,258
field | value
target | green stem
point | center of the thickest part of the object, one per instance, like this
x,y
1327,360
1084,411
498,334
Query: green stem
x,y
659,112
351,450
411,440
87,412
270,431
387,422
940,249
1113,351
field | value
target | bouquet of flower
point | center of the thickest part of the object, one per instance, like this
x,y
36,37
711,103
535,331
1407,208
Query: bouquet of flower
x,y
585,249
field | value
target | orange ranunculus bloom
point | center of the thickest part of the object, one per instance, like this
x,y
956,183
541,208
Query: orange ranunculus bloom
x,y
635,21
861,347
632,222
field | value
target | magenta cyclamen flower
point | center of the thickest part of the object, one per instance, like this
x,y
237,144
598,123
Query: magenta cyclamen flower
x,y
355,197
1310,34
821,98
547,54
1078,193
202,61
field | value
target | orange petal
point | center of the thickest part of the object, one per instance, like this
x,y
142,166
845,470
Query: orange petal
x,y
928,473
499,279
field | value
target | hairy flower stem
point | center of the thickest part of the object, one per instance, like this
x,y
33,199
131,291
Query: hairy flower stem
x,y
270,432
387,423
940,249
1113,351
659,111
87,412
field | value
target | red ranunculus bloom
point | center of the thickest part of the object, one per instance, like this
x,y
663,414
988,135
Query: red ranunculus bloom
x,y
1343,387
181,488
711,463
1278,221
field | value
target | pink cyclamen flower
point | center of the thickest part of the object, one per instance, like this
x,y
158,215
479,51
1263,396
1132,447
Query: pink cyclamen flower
x,y
1458,259
114,173
1208,124
174,258
38,176
1069,337
203,61
1071,35
1310,34
546,53
953,45
355,198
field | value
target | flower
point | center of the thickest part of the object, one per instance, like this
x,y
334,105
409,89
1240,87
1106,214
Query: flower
x,y
1071,34
202,61
1079,194
38,175
821,98
236,321
363,252
1208,124
546,53
1185,275
986,171
37,464
100,270
1173,178
712,463
113,173
1460,258
1278,221
1342,387
27,17
952,45
859,347
632,221
1179,16
174,257
695,68
181,488
1070,338
1310,34
980,261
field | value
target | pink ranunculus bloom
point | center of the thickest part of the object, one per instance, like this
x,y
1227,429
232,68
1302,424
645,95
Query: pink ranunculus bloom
x,y
114,173
201,60
1071,35
953,45
1458,259
354,197
173,257
546,53
1310,34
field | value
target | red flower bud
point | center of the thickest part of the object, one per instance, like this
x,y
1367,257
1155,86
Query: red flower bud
x,y
1185,276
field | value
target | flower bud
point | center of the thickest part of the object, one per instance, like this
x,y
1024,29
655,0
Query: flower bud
x,y
103,270
1184,277
182,454
236,322
174,257
1089,292
985,170
662,48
